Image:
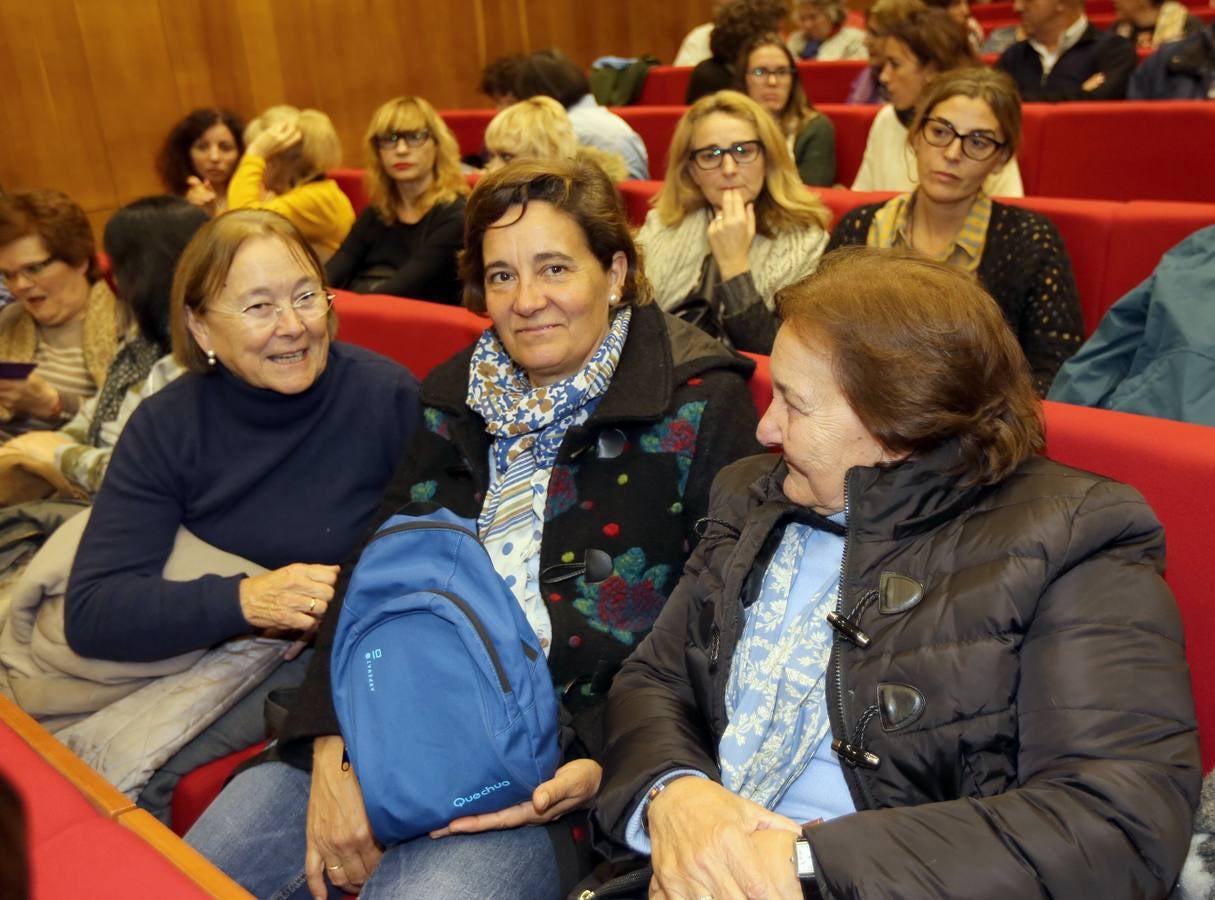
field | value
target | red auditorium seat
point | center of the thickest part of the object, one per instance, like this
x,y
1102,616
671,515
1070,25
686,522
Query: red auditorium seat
x,y
1126,150
665,86
416,333
656,125
1173,465
468,126
851,132
829,82
351,183
1142,232
196,790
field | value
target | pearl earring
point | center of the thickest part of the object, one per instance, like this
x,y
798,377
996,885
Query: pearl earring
x,y
613,299
210,357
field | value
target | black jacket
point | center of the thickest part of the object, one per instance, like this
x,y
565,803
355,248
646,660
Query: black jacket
x,y
1179,70
1024,695
632,482
1025,267
1096,51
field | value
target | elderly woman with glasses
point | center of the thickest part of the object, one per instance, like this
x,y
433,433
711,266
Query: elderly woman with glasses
x,y
405,242
250,452
732,223
64,327
968,128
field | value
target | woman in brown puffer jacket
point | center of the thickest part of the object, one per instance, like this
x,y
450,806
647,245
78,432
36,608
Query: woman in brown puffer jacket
x,y
999,706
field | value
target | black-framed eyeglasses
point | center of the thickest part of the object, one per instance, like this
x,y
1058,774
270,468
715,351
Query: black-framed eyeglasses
x,y
411,138
976,145
30,270
744,153
780,73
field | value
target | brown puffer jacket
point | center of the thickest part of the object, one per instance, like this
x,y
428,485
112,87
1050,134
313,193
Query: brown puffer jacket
x,y
1013,701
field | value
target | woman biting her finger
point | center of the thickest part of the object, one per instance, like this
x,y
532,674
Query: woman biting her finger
x,y
732,223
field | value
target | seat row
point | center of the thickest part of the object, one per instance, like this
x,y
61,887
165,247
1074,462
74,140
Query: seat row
x,y
1113,246
1123,150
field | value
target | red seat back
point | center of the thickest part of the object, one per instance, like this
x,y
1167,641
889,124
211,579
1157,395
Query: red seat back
x,y
1127,150
665,86
1173,465
351,183
851,132
415,333
637,196
656,125
1142,232
468,126
829,81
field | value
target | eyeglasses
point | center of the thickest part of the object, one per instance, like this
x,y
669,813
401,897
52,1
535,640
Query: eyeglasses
x,y
780,73
744,153
411,138
263,315
975,144
30,270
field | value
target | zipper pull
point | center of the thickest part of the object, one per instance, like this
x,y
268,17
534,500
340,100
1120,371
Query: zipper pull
x,y
714,646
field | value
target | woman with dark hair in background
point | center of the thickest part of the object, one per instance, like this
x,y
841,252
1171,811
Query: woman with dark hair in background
x,y
405,242
767,74
735,24
199,156
550,73
144,240
66,319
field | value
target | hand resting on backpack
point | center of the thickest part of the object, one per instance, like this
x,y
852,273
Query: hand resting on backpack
x,y
340,843
293,598
572,786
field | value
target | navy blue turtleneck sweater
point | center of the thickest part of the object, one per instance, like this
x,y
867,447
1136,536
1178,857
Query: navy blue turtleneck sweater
x,y
275,478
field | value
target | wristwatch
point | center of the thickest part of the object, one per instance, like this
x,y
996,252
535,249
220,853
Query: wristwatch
x,y
803,860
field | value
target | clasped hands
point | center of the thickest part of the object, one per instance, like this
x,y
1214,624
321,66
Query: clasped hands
x,y
709,842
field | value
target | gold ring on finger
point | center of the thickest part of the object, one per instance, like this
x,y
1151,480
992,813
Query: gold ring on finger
x,y
311,607
334,868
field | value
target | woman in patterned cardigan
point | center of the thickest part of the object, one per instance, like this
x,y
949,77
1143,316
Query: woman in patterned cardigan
x,y
613,417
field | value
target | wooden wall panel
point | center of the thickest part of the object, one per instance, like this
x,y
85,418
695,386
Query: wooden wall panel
x,y
89,88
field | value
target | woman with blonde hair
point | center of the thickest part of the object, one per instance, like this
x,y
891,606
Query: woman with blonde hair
x,y
540,128
405,242
732,224
767,73
287,153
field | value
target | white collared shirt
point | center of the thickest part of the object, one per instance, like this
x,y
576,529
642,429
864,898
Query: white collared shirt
x,y
1067,40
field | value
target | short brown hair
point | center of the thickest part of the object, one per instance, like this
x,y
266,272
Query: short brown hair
x,y
923,355
738,20
992,86
57,219
886,14
204,267
935,38
581,190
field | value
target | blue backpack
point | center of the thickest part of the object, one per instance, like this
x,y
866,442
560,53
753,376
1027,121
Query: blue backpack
x,y
441,690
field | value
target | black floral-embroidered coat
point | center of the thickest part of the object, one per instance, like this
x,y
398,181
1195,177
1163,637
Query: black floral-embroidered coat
x,y
630,483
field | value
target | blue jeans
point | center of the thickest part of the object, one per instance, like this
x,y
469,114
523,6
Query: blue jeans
x,y
255,832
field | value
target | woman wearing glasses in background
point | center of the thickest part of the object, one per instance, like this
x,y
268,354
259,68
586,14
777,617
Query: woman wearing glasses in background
x,y
287,153
249,451
968,128
66,319
768,75
405,242
732,223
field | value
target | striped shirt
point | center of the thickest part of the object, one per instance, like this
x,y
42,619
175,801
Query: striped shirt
x,y
892,228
